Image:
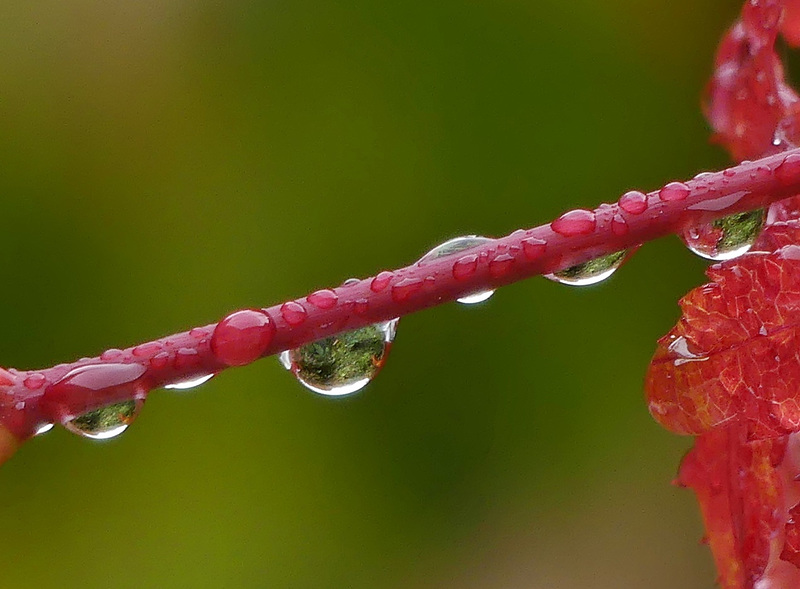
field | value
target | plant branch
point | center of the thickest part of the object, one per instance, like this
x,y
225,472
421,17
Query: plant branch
x,y
30,399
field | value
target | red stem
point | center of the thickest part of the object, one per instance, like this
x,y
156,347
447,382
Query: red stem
x,y
574,238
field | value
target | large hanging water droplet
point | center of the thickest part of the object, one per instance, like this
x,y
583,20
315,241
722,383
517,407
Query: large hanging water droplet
x,y
590,272
725,238
344,363
106,422
455,246
97,400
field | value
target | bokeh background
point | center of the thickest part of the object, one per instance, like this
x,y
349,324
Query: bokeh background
x,y
163,162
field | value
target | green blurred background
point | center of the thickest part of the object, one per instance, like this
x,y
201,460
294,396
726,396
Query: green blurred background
x,y
164,162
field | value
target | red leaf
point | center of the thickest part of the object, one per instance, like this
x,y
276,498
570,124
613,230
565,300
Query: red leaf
x,y
730,371
745,490
753,110
734,356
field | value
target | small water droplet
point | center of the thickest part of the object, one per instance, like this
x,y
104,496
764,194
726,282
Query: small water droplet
x,y
674,191
619,226
360,306
43,429
729,172
763,172
680,348
633,202
501,265
350,282
405,288
146,350
186,358
590,272
105,422
465,267
381,281
112,354
293,313
533,248
725,238
577,222
189,383
242,337
160,360
323,299
344,363
790,252
789,170
198,332
453,246
34,381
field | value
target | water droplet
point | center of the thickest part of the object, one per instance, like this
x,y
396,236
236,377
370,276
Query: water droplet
x,y
590,272
501,265
633,202
242,337
725,238
34,381
160,360
465,267
189,383
533,248
43,429
87,399
293,313
381,281
789,170
112,354
350,282
360,306
577,222
406,287
680,348
105,422
763,172
619,226
344,363
323,299
198,332
146,350
186,358
453,246
674,191
719,204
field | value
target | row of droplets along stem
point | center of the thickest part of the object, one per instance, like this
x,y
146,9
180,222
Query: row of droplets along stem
x,y
345,363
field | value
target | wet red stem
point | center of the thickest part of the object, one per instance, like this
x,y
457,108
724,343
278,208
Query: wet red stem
x,y
576,237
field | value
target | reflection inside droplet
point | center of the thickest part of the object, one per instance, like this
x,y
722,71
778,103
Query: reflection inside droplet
x,y
341,364
106,422
590,272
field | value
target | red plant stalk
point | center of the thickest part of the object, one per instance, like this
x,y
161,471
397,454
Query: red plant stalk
x,y
30,399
